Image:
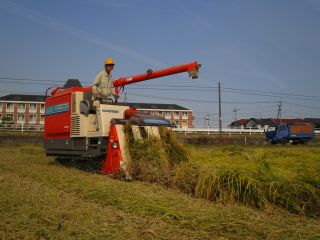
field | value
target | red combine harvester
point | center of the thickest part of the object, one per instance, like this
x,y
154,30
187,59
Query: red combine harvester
x,y
78,127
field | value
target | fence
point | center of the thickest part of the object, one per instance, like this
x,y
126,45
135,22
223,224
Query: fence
x,y
38,128
20,127
209,131
229,131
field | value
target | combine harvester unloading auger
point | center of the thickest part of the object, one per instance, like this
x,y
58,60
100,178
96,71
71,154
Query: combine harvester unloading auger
x,y
77,127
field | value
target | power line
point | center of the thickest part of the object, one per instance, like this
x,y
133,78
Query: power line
x,y
207,88
194,100
30,81
227,91
304,106
161,89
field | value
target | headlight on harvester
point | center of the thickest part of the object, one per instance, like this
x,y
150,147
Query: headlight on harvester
x,y
114,145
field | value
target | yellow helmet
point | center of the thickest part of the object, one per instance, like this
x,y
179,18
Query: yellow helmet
x,y
109,61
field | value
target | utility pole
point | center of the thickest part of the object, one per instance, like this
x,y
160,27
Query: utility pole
x,y
208,119
220,118
235,114
279,110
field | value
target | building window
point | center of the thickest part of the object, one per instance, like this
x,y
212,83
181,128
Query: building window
x,y
10,105
32,117
10,117
42,106
176,114
42,118
168,114
20,117
32,106
21,106
184,124
1,104
185,114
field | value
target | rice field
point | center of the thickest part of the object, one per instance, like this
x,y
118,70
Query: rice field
x,y
232,173
216,192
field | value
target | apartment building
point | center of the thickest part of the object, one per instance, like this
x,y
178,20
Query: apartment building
x,y
30,109
180,116
22,109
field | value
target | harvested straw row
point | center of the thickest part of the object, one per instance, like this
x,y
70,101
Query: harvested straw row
x,y
165,161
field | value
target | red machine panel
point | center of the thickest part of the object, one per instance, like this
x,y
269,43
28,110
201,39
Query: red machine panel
x,y
57,118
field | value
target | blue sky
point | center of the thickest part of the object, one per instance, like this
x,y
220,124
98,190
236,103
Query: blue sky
x,y
271,46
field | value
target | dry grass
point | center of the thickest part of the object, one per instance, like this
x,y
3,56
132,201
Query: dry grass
x,y
43,200
253,183
154,159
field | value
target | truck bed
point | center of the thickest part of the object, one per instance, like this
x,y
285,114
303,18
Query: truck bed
x,y
301,129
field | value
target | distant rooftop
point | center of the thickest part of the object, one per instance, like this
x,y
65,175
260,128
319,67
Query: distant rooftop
x,y
23,98
156,106
272,121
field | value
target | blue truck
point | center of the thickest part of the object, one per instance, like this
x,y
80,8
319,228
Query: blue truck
x,y
295,133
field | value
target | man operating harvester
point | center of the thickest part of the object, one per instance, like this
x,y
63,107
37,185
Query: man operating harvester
x,y
102,85
102,88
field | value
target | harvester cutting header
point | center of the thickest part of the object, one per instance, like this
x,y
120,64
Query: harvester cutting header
x,y
81,122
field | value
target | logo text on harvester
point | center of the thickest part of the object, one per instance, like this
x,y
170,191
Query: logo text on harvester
x,y
110,110
58,108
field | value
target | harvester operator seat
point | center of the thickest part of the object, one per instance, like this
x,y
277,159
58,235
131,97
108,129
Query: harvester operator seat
x,y
86,106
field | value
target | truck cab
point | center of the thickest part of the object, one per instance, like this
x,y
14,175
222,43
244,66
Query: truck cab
x,y
271,132
277,133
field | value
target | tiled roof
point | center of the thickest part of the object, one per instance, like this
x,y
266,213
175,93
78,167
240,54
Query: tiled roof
x,y
263,121
23,98
240,122
288,120
315,121
156,106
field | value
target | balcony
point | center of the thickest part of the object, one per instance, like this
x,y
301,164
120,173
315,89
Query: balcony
x,y
10,110
21,110
32,110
